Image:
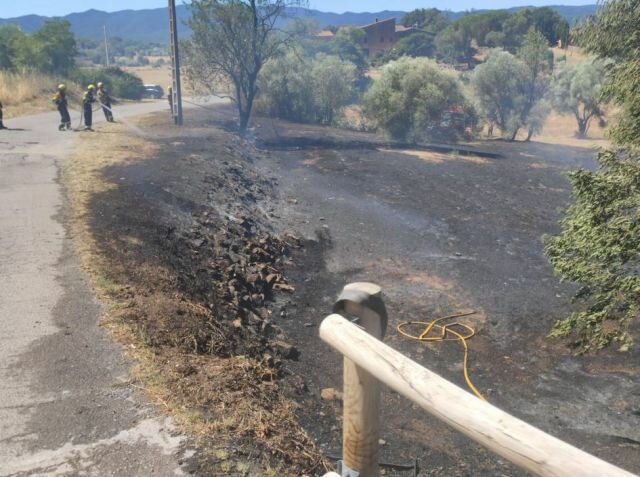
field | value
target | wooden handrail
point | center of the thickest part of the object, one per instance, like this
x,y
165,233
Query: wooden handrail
x,y
522,444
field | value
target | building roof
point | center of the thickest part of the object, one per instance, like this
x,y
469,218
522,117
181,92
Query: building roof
x,y
325,34
377,23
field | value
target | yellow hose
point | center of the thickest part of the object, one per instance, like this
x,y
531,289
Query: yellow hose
x,y
426,335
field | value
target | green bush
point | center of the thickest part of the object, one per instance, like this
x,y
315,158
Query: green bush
x,y
118,82
411,99
306,90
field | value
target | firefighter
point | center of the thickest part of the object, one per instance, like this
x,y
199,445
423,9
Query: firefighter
x,y
60,100
105,102
2,126
170,99
87,104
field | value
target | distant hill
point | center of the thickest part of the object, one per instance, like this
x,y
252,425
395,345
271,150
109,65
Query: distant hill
x,y
152,25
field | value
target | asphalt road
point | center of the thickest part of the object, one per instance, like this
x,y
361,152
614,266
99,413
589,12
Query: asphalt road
x,y
66,405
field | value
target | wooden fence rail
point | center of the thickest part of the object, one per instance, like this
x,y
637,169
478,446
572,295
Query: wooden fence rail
x,y
368,361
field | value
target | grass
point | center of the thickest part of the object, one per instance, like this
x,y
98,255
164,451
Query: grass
x,y
30,92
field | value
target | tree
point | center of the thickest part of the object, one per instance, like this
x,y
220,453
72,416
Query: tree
x,y
410,97
598,247
306,90
576,89
11,37
430,20
415,45
231,42
535,54
347,45
454,43
53,48
500,86
496,39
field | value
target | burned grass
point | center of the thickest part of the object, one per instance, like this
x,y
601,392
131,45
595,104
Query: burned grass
x,y
181,251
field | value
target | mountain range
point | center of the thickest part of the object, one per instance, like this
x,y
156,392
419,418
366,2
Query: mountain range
x,y
152,25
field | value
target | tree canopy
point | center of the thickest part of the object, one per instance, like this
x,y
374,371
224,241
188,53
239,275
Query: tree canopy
x,y
410,98
598,247
51,49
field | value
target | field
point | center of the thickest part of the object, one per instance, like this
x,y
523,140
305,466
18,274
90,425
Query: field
x,y
440,232
150,75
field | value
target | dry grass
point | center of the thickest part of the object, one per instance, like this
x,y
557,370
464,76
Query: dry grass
x,y
29,92
151,75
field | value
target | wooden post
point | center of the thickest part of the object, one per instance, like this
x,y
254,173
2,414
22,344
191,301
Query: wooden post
x,y
361,423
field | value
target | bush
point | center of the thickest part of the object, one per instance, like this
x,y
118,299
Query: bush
x,y
412,97
118,82
306,91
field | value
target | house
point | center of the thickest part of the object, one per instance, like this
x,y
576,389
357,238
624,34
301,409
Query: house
x,y
382,36
379,36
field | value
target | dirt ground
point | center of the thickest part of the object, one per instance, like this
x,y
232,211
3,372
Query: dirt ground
x,y
439,232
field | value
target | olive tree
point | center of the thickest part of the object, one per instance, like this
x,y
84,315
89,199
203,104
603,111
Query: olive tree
x,y
232,40
306,90
577,90
538,59
598,247
410,98
500,87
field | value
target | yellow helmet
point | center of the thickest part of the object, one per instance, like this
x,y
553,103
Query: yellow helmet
x,y
100,84
91,87
62,87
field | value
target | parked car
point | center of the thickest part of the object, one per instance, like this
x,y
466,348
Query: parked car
x,y
153,91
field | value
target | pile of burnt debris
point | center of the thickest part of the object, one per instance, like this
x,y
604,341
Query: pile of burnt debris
x,y
233,268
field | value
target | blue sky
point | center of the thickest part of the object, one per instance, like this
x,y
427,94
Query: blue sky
x,y
12,8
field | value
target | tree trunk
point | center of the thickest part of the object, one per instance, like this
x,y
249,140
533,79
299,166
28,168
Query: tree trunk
x,y
529,135
515,133
582,128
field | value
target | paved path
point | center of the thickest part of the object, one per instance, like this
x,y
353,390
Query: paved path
x,y
65,406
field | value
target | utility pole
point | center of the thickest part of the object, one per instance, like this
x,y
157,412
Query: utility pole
x,y
175,65
106,45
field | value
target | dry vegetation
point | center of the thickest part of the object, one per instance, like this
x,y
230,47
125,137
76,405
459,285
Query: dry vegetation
x,y
211,364
150,75
29,92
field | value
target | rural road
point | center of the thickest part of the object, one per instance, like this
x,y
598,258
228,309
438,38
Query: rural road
x,y
66,406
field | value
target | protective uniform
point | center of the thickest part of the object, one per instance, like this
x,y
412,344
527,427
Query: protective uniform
x,y
105,102
60,100
87,104
1,123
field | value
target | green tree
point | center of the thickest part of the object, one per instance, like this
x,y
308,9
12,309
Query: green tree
x,y
347,45
500,86
232,40
410,98
496,39
53,48
577,89
598,247
454,44
535,54
11,39
430,20
306,90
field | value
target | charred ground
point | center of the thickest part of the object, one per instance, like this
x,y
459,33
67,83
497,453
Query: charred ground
x,y
191,233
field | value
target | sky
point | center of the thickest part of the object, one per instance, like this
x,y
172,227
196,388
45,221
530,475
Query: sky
x,y
13,8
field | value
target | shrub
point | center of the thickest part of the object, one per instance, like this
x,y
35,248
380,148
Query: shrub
x,y
120,83
411,97
306,91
